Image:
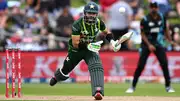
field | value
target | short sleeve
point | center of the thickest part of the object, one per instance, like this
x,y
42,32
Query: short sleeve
x,y
102,25
76,28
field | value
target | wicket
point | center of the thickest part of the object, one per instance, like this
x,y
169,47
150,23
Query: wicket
x,y
16,65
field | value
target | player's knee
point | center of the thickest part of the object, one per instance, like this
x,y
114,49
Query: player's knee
x,y
60,76
96,67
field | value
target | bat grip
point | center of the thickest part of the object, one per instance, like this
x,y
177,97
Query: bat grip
x,y
117,43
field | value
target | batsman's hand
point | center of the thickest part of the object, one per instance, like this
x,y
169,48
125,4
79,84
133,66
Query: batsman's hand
x,y
95,47
115,46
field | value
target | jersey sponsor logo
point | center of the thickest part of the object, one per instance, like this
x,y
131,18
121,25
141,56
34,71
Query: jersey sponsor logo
x,y
85,32
67,59
87,39
74,29
151,24
155,30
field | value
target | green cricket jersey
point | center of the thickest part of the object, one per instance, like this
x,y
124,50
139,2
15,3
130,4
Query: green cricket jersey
x,y
87,32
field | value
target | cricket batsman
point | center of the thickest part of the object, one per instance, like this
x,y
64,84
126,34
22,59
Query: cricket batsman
x,y
153,31
83,46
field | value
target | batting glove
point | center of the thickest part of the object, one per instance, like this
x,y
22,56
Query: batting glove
x,y
115,46
95,47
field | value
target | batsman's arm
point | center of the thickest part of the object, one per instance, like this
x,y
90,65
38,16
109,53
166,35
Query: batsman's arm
x,y
105,31
76,36
75,40
109,35
110,38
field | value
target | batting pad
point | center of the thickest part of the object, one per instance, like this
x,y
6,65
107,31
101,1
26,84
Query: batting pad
x,y
97,78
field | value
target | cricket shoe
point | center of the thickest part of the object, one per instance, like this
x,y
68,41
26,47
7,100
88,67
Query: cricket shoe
x,y
170,90
98,96
53,81
130,90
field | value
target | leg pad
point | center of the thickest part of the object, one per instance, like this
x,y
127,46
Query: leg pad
x,y
97,78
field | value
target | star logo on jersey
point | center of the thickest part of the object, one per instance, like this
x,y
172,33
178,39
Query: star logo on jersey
x,y
91,6
67,59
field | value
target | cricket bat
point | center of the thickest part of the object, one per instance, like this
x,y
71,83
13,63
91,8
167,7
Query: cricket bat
x,y
124,38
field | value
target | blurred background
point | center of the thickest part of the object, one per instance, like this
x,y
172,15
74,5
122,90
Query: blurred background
x,y
45,25
42,28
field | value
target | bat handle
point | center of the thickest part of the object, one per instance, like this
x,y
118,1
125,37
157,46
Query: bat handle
x,y
117,44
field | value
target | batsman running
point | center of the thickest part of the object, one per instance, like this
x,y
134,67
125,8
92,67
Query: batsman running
x,y
83,46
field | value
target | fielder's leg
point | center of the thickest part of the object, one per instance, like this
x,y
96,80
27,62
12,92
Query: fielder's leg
x,y
161,56
141,64
144,53
97,74
61,74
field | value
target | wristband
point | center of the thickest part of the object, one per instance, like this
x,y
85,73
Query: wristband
x,y
109,37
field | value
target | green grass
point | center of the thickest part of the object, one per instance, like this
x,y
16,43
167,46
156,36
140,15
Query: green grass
x,y
174,21
77,3
85,89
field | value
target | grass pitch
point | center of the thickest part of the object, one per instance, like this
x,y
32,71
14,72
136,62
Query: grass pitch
x,y
81,89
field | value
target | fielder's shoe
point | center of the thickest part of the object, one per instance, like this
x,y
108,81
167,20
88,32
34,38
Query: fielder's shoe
x,y
170,90
130,90
98,96
53,81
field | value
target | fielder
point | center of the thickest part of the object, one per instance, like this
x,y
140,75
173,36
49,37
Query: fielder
x,y
83,45
153,31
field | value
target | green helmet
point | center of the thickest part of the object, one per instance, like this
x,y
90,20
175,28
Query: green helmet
x,y
90,12
91,7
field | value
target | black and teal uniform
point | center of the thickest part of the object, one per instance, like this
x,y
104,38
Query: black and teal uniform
x,y
154,31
